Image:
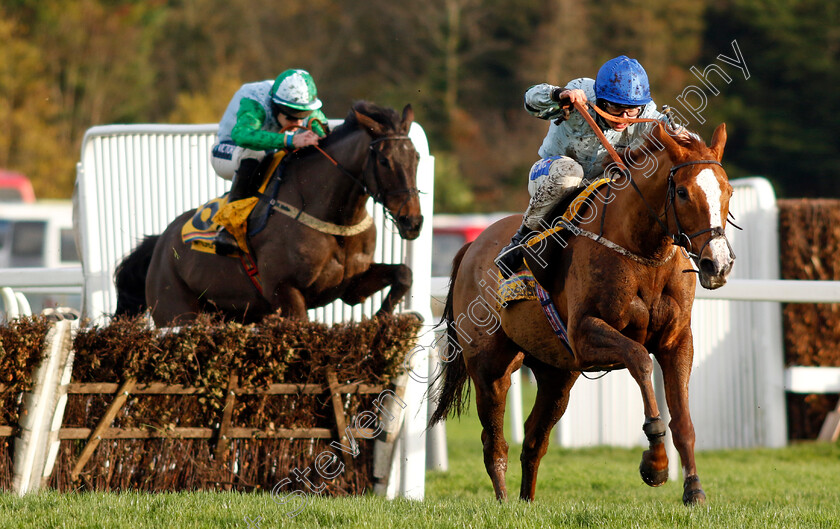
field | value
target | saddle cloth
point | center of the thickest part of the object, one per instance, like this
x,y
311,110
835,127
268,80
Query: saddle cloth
x,y
523,286
199,231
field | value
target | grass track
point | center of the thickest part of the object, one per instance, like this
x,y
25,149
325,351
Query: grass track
x,y
798,486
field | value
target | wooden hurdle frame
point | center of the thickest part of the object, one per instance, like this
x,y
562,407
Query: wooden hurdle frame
x,y
132,180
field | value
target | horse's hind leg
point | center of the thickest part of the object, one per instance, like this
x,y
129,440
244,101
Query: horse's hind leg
x,y
553,388
180,306
491,371
169,299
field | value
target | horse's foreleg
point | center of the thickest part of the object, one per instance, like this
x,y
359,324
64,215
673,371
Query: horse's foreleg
x,y
553,387
676,370
602,345
374,279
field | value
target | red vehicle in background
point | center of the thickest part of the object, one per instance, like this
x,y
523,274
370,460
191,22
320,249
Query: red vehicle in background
x,y
15,187
451,232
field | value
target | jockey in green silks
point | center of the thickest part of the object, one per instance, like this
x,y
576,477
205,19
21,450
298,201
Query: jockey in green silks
x,y
251,128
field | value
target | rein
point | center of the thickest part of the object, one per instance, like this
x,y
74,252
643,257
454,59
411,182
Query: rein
x,y
680,238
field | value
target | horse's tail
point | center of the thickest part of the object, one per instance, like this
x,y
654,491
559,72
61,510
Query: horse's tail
x,y
130,278
454,395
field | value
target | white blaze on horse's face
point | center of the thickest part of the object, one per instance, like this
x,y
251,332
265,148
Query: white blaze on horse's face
x,y
708,182
718,264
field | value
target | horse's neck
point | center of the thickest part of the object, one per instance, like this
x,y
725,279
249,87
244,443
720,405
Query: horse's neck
x,y
630,222
323,190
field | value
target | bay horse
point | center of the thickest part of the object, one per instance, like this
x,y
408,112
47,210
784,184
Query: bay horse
x,y
621,288
369,155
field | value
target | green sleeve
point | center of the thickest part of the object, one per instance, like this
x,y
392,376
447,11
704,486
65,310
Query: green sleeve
x,y
318,123
248,130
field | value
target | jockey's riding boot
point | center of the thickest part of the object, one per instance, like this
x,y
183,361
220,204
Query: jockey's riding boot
x,y
510,258
225,242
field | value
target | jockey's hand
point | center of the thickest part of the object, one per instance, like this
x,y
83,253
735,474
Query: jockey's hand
x,y
572,97
684,134
305,139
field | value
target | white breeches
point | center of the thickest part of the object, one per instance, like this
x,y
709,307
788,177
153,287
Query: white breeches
x,y
225,158
550,181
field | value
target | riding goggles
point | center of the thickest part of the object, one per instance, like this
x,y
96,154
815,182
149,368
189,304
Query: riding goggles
x,y
619,110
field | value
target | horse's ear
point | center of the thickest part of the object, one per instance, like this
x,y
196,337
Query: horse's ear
x,y
675,151
718,141
407,118
369,123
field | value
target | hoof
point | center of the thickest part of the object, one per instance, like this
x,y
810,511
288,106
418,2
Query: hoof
x,y
654,466
651,477
692,492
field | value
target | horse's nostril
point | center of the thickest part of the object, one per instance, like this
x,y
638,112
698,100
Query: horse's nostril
x,y
708,267
411,222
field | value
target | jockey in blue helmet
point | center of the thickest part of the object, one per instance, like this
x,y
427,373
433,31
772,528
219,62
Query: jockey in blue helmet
x,y
571,151
261,118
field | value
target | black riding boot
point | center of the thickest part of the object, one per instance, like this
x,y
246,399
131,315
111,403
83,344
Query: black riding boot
x,y
510,258
241,188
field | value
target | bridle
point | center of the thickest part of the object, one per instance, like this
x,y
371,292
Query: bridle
x,y
379,195
680,237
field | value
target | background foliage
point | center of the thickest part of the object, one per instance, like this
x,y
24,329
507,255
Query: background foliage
x,y
463,64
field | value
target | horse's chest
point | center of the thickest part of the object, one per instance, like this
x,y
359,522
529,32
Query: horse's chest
x,y
639,316
648,319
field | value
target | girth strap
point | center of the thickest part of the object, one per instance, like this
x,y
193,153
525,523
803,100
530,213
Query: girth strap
x,y
321,225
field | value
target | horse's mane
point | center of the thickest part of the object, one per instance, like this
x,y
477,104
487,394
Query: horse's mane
x,y
692,142
386,116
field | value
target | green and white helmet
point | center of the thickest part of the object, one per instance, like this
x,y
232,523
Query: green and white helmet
x,y
295,89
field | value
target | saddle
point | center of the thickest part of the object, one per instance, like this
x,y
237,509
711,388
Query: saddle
x,y
242,218
570,208
523,285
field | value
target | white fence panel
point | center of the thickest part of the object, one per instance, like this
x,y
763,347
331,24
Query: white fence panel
x,y
133,180
737,383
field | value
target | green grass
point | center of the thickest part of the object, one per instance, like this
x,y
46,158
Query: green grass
x,y
798,486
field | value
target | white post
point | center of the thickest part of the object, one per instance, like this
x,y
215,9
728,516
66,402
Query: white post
x,y
437,457
39,409
10,301
23,304
408,467
53,443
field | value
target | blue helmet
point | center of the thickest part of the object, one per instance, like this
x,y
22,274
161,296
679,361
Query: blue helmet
x,y
623,81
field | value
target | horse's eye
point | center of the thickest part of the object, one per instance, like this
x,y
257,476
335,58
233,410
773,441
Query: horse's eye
x,y
682,193
383,161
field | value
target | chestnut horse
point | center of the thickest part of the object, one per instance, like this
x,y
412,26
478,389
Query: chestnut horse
x,y
369,155
623,296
